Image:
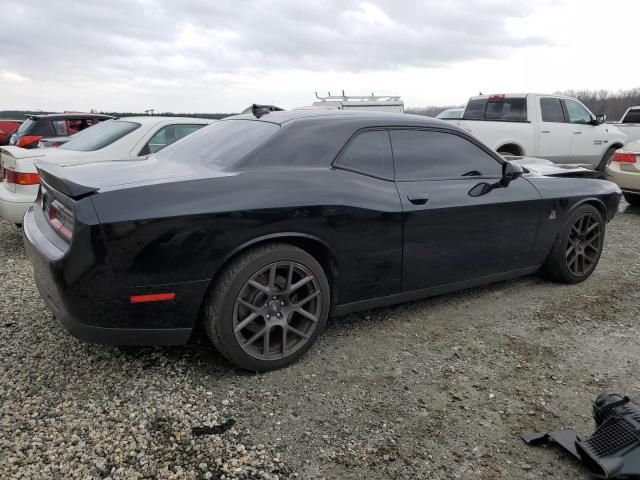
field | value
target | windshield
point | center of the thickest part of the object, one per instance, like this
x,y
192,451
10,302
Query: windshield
x,y
223,143
99,136
24,128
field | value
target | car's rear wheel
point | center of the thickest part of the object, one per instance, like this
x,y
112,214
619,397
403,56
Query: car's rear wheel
x,y
575,256
268,307
632,199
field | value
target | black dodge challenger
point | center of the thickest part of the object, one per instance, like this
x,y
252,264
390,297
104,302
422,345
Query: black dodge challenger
x,y
262,225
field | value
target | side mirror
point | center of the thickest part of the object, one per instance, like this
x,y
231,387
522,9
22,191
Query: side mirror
x,y
510,172
600,119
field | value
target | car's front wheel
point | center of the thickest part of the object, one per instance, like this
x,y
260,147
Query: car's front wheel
x,y
577,251
268,307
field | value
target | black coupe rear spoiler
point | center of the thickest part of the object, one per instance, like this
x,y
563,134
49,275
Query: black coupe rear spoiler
x,y
53,175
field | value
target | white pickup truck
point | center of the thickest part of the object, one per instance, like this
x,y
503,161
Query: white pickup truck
x,y
558,128
629,124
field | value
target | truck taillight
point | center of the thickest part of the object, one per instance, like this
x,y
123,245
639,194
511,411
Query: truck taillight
x,y
623,156
60,218
30,141
20,178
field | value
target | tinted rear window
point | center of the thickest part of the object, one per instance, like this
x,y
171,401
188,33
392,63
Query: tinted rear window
x,y
499,109
632,117
223,143
99,136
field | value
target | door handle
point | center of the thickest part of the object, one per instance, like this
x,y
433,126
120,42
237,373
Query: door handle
x,y
418,198
545,131
577,133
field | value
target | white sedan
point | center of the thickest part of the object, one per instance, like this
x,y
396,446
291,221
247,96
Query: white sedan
x,y
118,139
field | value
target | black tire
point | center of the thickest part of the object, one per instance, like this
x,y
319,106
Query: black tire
x,y
563,263
606,159
229,300
632,199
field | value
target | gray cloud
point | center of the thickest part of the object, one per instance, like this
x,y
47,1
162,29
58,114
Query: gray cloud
x,y
50,41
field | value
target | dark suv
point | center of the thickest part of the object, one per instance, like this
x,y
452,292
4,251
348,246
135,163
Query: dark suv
x,y
53,125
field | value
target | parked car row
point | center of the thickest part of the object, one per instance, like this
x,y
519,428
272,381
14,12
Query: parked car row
x,y
122,139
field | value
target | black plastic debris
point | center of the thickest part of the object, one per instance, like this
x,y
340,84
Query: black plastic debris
x,y
613,450
215,430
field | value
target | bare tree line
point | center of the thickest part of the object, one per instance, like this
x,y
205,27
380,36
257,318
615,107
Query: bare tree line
x,y
612,104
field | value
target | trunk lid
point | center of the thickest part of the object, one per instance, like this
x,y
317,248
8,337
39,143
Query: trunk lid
x,y
17,159
79,180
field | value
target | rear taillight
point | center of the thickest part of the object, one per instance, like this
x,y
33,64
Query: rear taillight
x,y
623,156
20,178
28,141
60,218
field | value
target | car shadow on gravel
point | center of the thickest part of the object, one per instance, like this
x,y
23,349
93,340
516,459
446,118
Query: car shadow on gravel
x,y
198,349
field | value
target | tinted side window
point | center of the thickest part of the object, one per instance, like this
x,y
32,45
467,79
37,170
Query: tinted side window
x,y
551,110
369,152
423,154
577,113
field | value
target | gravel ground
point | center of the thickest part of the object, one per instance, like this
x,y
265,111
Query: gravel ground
x,y
435,389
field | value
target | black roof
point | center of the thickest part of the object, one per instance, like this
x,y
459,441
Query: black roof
x,y
365,117
69,116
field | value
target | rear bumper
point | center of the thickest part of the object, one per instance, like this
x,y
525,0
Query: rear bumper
x,y
87,301
627,180
13,206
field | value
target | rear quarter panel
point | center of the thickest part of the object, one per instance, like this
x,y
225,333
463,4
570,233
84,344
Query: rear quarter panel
x,y
185,231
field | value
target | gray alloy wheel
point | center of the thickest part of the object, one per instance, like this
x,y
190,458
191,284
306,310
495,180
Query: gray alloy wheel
x,y
277,310
268,307
575,254
584,245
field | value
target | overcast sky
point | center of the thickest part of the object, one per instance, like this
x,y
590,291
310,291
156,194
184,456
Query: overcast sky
x,y
220,56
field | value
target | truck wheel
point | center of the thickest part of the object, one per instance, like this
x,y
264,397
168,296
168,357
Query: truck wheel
x,y
268,307
575,255
606,159
632,199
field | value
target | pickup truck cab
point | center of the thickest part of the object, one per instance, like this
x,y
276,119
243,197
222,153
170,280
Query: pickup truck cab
x,y
558,128
629,124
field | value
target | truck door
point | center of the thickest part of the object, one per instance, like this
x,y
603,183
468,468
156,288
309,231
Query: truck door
x,y
554,142
588,141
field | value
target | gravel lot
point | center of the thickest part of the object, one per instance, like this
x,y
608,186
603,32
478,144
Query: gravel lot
x,y
435,389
